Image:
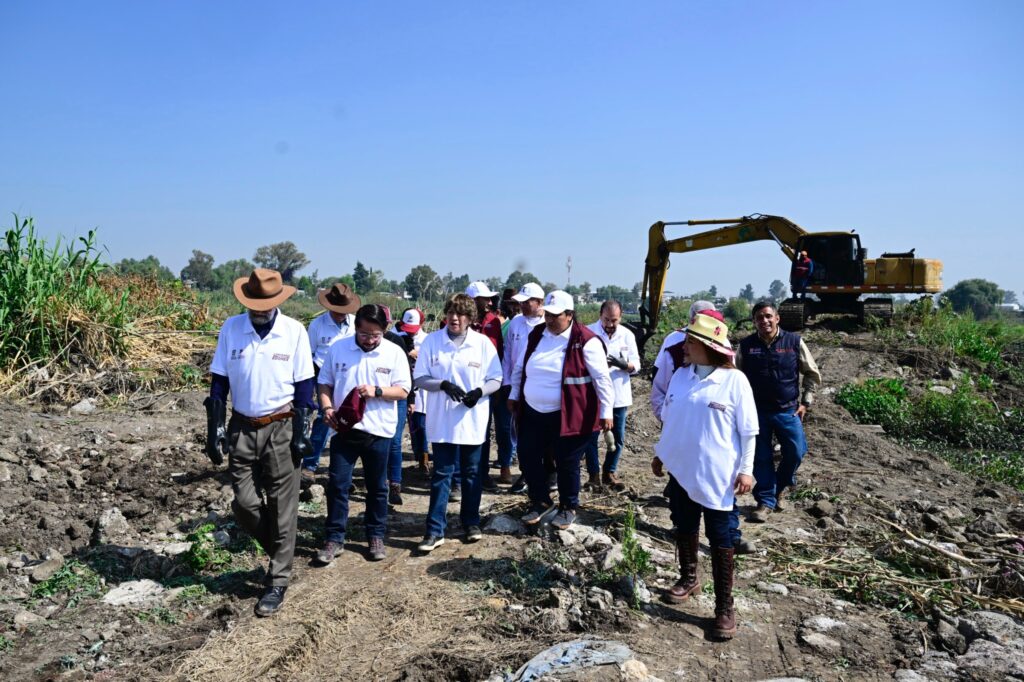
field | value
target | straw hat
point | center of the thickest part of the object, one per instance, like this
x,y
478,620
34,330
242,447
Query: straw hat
x,y
709,328
262,290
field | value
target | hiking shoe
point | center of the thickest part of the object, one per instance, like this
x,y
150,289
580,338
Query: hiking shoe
x,y
271,602
474,534
455,495
519,486
377,552
506,476
564,518
489,485
612,481
760,515
533,517
593,482
780,500
744,546
430,543
329,552
307,477
553,482
395,494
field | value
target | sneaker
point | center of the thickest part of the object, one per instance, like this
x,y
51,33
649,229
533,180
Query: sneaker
x,y
506,476
474,534
780,500
329,553
489,485
430,543
564,518
395,494
744,546
612,481
553,482
271,601
536,513
307,477
760,515
519,486
377,552
455,495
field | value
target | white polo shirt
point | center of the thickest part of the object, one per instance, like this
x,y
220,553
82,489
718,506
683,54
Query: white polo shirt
x,y
543,389
468,366
621,344
665,368
323,331
347,366
515,343
262,372
703,421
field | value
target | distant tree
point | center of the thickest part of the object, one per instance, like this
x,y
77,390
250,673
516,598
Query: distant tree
x,y
713,290
200,270
736,309
225,274
328,282
422,283
550,286
777,290
284,257
1009,296
626,297
362,278
977,295
147,267
747,293
518,278
495,283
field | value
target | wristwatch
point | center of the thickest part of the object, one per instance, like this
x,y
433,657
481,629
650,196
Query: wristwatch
x,y
378,393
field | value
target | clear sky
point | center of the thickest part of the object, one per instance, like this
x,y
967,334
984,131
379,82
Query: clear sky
x,y
479,137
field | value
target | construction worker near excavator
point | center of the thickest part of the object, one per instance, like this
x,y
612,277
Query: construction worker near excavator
x,y
774,360
263,359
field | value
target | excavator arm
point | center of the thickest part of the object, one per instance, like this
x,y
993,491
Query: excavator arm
x,y
756,227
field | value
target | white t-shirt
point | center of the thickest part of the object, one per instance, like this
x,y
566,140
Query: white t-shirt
x,y
262,372
665,368
347,366
622,344
323,331
515,343
543,389
468,366
704,420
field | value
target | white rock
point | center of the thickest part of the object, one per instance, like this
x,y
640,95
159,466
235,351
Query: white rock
x,y
823,624
821,643
222,537
112,526
943,390
504,524
317,494
772,588
135,593
24,619
612,558
5,472
36,473
906,675
83,407
175,548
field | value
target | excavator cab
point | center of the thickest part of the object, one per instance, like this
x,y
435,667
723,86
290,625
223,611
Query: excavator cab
x,y
838,258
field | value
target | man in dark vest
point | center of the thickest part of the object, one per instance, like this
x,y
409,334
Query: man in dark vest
x,y
774,360
561,393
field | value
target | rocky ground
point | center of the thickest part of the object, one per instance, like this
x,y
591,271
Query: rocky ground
x,y
119,560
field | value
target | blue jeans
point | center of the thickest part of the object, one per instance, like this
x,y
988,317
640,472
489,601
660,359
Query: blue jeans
x,y
539,433
686,513
770,481
445,457
502,427
373,450
395,454
418,433
611,459
318,438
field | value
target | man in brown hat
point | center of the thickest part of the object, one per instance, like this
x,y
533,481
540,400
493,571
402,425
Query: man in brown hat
x,y
263,359
338,322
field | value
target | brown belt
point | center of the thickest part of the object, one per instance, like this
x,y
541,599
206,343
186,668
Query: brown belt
x,y
260,422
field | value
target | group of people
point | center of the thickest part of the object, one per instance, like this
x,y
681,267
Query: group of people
x,y
522,365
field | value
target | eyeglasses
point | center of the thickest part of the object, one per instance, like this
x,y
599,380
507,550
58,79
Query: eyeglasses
x,y
370,337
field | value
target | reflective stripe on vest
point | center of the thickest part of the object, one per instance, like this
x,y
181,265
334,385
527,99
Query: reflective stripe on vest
x,y
575,381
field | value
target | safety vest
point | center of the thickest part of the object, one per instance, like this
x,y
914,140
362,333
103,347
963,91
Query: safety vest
x,y
580,406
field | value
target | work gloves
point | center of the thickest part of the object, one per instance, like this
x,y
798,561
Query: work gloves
x,y
473,397
301,447
216,431
453,391
618,363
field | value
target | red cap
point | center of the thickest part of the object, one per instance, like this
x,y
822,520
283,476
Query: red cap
x,y
350,412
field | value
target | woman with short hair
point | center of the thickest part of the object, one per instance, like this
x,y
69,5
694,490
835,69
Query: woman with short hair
x,y
707,445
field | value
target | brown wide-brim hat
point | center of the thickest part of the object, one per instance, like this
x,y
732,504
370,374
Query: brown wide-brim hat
x,y
262,290
339,299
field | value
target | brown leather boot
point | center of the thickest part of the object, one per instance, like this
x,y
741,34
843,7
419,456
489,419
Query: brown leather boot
x,y
612,481
722,565
687,545
424,463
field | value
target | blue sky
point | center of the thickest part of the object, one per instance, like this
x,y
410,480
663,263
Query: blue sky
x,y
480,137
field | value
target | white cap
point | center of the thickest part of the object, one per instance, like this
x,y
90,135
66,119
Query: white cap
x,y
477,289
557,302
528,291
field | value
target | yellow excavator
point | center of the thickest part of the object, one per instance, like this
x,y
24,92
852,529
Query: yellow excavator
x,y
841,273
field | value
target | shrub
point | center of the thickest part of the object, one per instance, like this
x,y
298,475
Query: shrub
x,y
877,401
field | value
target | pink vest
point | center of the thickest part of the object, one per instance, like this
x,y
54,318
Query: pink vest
x,y
580,406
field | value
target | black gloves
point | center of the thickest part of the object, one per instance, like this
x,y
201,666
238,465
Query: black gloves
x,y
471,398
453,391
300,445
216,431
618,362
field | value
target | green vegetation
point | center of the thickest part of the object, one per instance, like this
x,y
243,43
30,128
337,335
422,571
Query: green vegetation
x,y
958,335
636,561
160,615
204,554
5,644
74,579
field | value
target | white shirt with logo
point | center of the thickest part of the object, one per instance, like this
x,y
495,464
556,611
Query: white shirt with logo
x,y
347,366
262,372
515,343
621,344
468,366
665,367
703,422
324,331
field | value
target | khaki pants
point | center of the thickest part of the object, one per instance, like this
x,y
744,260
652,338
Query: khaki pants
x,y
261,467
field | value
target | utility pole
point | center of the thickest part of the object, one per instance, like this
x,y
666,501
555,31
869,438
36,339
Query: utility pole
x,y
568,272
